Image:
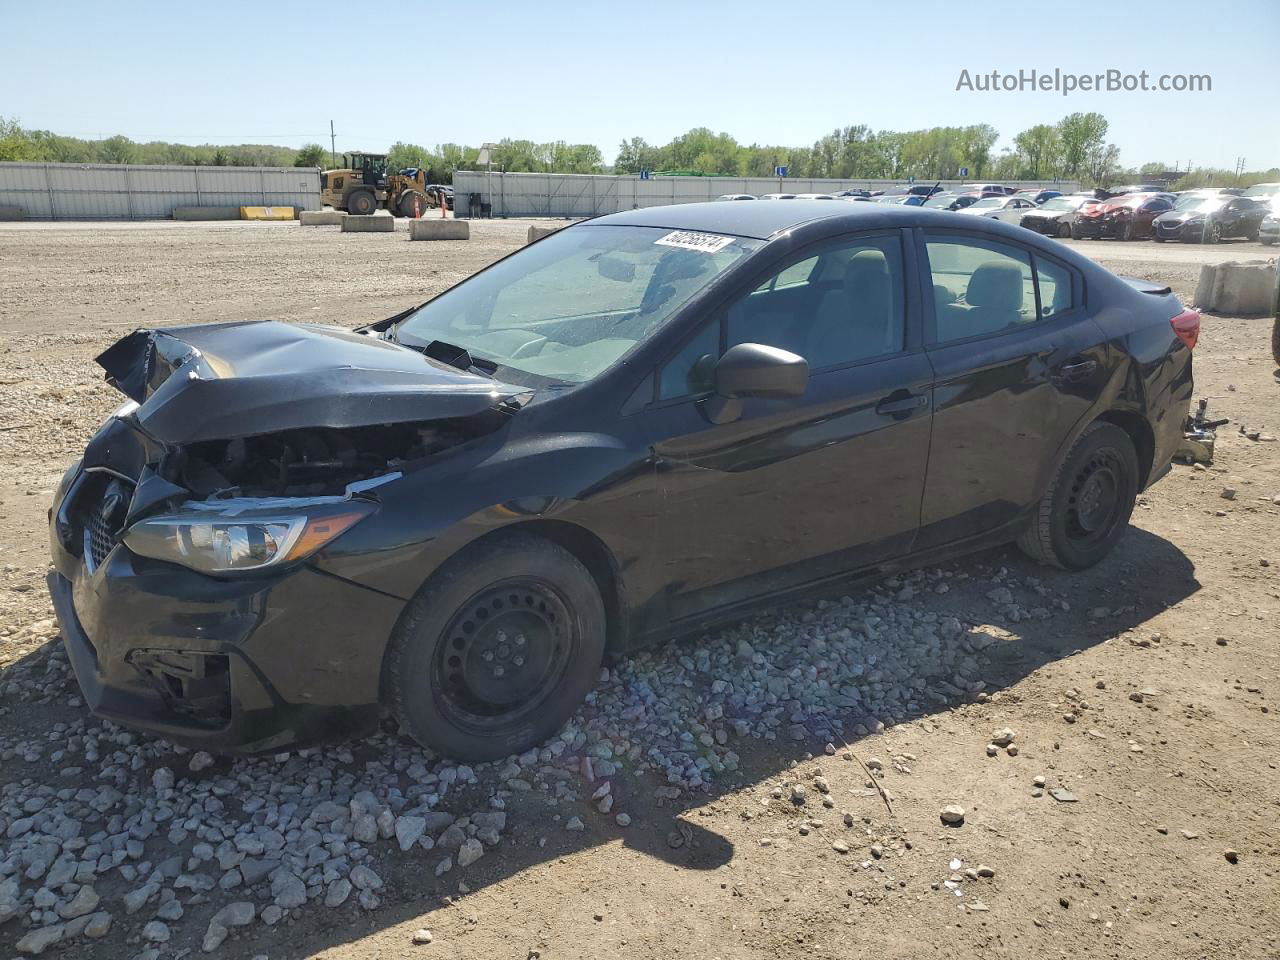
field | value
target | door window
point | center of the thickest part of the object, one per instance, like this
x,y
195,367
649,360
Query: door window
x,y
979,287
839,306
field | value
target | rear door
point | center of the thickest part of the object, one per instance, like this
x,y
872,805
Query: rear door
x,y
1017,363
799,489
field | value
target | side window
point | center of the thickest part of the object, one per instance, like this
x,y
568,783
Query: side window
x,y
848,307
979,287
690,371
1055,287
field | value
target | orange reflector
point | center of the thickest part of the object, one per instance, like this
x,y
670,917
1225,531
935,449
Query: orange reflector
x,y
320,531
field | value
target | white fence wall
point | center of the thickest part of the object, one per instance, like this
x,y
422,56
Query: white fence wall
x,y
103,191
579,195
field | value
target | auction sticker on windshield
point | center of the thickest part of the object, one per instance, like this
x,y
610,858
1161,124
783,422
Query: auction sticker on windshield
x,y
692,240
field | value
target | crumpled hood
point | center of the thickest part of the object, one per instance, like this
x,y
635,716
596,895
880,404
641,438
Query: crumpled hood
x,y
227,380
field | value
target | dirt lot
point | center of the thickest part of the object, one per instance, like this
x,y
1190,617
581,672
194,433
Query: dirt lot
x,y
1146,688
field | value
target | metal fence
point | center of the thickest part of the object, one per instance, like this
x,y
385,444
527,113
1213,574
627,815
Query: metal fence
x,y
579,195
104,191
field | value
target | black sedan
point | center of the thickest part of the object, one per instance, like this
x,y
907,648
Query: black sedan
x,y
1210,219
633,428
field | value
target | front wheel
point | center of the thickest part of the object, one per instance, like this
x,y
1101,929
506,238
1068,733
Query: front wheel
x,y
497,649
1064,230
362,203
1215,233
1088,504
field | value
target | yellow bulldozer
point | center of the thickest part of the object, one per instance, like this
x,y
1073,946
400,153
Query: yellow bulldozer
x,y
363,186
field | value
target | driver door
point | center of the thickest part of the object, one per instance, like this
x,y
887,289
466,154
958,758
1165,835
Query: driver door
x,y
799,489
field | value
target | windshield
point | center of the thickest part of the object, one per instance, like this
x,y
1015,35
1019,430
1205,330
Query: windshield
x,y
567,307
940,200
988,202
1203,204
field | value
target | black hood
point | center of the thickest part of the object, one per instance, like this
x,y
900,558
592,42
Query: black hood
x,y
227,380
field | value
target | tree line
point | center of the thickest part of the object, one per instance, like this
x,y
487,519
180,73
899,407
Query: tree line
x,y
1074,148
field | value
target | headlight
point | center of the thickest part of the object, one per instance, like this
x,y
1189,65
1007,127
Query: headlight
x,y
213,542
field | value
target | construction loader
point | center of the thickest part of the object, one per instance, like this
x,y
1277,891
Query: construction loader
x,y
363,186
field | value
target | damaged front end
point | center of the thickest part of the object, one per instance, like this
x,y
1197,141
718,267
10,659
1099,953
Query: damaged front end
x,y
181,539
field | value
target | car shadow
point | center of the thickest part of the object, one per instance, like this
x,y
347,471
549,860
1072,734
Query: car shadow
x,y
1144,576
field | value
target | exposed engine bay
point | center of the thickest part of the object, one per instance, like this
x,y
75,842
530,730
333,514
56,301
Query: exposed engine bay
x,y
316,461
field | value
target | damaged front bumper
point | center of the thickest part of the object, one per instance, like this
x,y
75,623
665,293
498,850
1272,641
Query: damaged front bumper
x,y
243,665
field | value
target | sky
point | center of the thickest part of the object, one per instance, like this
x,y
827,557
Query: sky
x,y
277,71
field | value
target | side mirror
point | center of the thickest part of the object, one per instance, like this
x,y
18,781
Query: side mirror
x,y
754,370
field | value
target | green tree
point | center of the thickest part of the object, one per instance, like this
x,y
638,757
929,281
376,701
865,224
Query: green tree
x,y
1081,135
311,155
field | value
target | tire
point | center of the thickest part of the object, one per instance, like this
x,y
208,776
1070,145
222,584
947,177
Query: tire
x,y
1128,232
455,677
1265,242
1076,234
1088,504
1064,231
361,202
1214,234
1157,239
405,205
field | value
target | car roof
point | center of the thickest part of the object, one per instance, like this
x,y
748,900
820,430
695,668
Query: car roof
x,y
761,221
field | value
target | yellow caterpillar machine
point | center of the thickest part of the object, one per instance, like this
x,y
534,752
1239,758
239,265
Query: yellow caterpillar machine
x,y
363,186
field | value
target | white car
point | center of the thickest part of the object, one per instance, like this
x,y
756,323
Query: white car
x,y
736,196
778,196
813,196
1009,209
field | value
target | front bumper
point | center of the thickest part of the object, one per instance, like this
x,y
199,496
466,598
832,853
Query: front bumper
x,y
236,666
1097,228
1048,226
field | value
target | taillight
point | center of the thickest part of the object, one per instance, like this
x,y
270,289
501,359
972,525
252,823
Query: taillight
x,y
1187,326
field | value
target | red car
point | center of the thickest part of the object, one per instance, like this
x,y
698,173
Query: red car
x,y
1125,217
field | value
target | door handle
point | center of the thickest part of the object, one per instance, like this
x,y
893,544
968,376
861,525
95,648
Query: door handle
x,y
894,404
1076,370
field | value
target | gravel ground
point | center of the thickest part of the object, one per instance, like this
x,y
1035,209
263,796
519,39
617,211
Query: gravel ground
x,y
987,758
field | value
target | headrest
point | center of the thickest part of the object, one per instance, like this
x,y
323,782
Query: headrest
x,y
996,284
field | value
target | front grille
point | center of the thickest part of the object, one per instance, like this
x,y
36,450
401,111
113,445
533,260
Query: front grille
x,y
99,537
103,521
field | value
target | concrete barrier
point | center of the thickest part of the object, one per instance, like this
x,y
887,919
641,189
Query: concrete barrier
x,y
267,213
321,218
12,213
537,233
1237,289
373,223
434,228
206,213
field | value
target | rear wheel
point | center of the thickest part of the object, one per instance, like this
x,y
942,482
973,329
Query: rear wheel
x,y
497,649
1088,504
361,202
1064,230
1214,233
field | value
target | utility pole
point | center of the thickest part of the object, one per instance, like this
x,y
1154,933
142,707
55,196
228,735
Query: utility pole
x,y
333,149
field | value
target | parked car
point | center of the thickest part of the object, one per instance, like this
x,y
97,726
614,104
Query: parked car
x,y
941,201
813,196
777,196
1265,191
1126,217
1210,219
1269,229
1038,196
735,196
1131,189
990,189
1054,217
1209,192
999,208
856,194
452,514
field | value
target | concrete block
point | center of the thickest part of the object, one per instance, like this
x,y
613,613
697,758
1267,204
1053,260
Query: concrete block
x,y
206,213
12,213
266,213
373,223
537,233
321,218
433,228
1237,289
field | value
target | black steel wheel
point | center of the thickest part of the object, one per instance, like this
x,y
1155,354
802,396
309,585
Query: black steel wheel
x,y
361,202
1088,504
497,649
